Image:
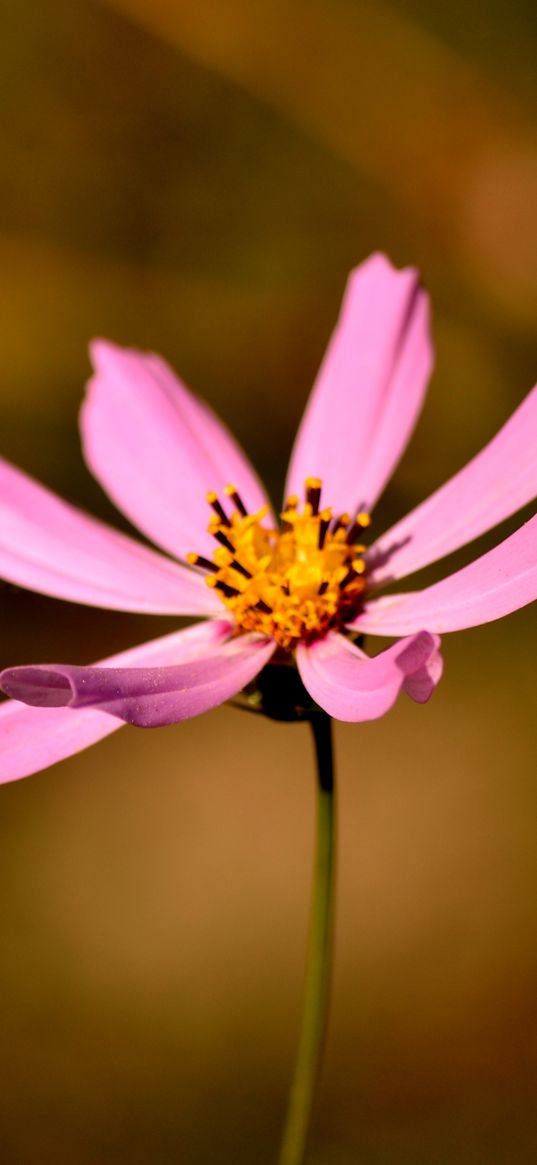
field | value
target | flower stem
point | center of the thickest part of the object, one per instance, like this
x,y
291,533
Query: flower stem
x,y
318,956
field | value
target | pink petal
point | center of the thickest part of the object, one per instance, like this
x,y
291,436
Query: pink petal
x,y
369,390
496,483
199,679
49,546
34,738
157,450
489,588
350,686
31,739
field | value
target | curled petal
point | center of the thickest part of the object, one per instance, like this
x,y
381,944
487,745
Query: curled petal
x,y
499,582
149,697
496,483
157,450
370,388
34,738
420,684
349,685
50,546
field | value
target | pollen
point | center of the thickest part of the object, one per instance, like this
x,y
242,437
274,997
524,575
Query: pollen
x,y
295,582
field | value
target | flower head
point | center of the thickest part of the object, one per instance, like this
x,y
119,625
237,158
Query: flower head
x,y
292,583
295,593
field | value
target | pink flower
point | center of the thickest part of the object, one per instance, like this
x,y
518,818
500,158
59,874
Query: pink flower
x,y
302,591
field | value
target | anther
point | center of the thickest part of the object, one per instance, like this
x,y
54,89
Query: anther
x,y
290,508
323,528
229,592
235,496
350,575
264,607
313,493
223,539
199,560
353,533
361,521
298,568
218,508
241,569
340,523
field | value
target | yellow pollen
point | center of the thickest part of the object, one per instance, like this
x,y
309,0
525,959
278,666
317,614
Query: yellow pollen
x,y
293,583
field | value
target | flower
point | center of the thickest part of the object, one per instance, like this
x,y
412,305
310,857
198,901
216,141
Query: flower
x,y
299,593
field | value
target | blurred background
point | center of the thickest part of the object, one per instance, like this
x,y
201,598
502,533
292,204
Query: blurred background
x,y
198,179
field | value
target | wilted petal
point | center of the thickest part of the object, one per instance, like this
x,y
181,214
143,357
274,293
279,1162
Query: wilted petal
x,y
34,738
369,390
496,483
499,582
157,450
351,686
50,546
149,697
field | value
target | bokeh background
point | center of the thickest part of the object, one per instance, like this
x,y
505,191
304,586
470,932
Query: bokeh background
x,y
198,179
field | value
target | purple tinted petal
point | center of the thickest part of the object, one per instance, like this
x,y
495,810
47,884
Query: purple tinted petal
x,y
149,697
34,738
157,450
499,582
369,390
350,686
420,684
496,483
49,546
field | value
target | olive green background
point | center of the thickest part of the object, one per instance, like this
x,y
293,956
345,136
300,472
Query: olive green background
x,y
198,179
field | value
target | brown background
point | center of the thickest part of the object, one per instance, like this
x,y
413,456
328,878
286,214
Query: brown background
x,y
198,179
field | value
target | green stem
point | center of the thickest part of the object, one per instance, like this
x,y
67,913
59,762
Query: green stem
x,y
319,954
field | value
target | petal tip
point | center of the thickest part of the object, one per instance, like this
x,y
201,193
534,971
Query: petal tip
x,y
379,264
422,665
41,687
98,348
105,353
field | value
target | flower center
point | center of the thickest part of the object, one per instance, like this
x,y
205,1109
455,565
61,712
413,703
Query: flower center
x,y
293,583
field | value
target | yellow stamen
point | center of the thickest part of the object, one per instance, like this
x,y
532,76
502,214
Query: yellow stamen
x,y
293,583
